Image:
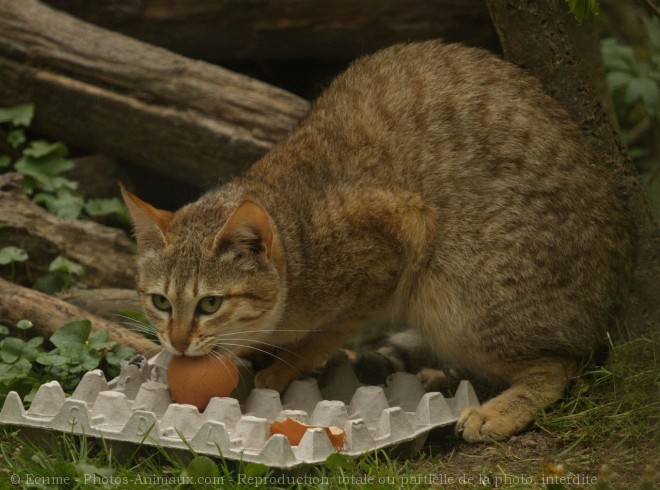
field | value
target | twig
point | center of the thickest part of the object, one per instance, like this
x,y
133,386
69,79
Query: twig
x,y
652,7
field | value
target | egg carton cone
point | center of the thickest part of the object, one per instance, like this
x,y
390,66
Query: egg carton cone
x,y
136,407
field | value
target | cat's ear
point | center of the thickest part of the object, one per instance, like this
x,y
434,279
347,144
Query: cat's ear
x,y
150,223
248,228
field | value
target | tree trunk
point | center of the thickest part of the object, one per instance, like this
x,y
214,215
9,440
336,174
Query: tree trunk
x,y
48,313
286,29
106,254
185,119
536,35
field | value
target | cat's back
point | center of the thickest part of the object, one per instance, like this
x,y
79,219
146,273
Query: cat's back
x,y
524,214
432,107
473,135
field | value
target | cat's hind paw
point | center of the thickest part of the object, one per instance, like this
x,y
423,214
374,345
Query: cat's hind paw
x,y
481,424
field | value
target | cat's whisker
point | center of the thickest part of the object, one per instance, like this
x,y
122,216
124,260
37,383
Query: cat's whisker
x,y
135,325
265,343
132,320
217,359
153,351
216,356
241,332
139,330
298,373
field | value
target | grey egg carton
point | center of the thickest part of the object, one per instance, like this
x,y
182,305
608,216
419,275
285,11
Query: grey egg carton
x,y
136,407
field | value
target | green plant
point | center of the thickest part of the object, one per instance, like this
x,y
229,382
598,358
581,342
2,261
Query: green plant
x,y
41,163
634,85
12,255
26,363
62,274
581,9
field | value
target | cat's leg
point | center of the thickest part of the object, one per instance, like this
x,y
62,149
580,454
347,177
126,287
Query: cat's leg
x,y
400,351
532,386
299,359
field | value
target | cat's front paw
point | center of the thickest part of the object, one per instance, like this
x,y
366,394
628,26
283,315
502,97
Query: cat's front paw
x,y
273,377
480,424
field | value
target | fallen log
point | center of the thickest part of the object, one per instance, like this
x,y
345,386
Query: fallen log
x,y
108,303
106,254
102,91
48,313
286,29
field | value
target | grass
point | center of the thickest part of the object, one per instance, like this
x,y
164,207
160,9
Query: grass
x,y
603,434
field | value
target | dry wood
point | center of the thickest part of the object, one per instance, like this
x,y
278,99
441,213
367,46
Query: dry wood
x,y
286,29
108,303
48,313
539,39
185,119
106,253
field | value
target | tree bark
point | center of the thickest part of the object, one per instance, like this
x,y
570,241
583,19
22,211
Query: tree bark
x,y
48,313
108,303
536,35
286,29
106,254
143,105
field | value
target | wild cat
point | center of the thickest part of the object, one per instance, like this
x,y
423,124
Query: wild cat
x,y
433,185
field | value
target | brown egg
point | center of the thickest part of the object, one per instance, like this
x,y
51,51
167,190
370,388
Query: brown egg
x,y
195,380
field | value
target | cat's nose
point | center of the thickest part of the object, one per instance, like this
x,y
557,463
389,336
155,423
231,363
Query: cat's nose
x,y
181,346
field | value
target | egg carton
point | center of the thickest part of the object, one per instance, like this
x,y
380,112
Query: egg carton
x,y
136,407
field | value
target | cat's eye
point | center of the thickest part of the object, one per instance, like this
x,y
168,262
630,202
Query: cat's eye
x,y
209,304
161,302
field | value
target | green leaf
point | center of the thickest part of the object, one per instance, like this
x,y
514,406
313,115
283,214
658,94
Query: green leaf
x,y
45,172
12,254
99,341
19,115
51,283
19,369
72,334
16,137
618,57
582,8
11,349
618,79
653,27
201,467
33,391
47,359
255,469
120,354
24,324
97,338
41,148
14,349
63,204
29,184
36,341
643,89
4,330
97,208
5,161
89,360
338,461
63,265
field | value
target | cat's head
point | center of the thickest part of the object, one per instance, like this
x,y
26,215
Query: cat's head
x,y
211,275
